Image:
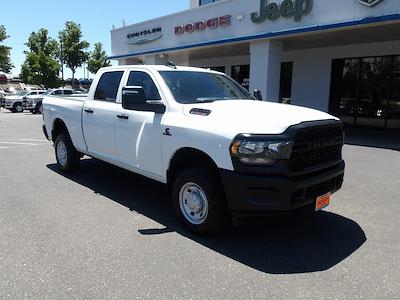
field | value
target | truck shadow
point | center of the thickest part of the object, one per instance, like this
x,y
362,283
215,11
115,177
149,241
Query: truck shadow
x,y
271,245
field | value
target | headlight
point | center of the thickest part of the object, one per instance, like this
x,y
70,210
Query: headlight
x,y
251,151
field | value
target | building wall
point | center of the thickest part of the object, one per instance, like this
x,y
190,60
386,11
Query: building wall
x,y
312,69
194,3
323,12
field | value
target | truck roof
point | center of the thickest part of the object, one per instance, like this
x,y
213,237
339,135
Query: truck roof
x,y
159,68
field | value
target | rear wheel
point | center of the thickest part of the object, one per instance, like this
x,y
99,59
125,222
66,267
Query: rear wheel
x,y
199,201
39,108
68,159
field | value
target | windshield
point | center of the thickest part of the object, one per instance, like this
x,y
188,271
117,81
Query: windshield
x,y
190,87
22,93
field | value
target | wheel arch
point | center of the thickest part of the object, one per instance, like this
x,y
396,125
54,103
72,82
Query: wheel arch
x,y
186,158
58,127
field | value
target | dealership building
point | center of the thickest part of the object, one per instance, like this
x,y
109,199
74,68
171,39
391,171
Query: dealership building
x,y
340,56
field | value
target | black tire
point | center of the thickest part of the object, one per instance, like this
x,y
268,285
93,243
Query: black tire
x,y
218,216
18,108
33,111
39,107
72,159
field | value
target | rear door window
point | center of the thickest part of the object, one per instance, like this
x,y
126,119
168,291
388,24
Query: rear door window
x,y
108,85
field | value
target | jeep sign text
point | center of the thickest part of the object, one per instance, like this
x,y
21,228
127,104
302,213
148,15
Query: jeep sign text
x,y
287,9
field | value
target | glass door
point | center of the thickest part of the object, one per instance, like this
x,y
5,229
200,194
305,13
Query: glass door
x,y
393,109
366,91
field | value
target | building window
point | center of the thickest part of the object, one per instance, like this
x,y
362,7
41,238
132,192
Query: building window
x,y
242,75
204,2
365,91
218,69
285,93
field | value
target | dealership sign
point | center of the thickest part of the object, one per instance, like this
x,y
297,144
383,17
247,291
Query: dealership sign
x,y
203,25
287,9
145,36
370,3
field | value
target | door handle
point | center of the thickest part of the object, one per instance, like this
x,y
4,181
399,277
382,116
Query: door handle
x,y
89,111
123,116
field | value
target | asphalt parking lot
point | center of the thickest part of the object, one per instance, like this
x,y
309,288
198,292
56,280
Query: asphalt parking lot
x,y
106,233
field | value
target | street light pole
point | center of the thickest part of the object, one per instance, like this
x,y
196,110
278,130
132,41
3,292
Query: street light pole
x,y
62,63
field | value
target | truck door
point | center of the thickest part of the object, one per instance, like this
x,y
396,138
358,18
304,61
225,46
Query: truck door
x,y
138,133
99,116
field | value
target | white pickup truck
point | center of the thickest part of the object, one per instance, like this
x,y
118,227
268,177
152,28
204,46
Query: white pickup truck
x,y
222,152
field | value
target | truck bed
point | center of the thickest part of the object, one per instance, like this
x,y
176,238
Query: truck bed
x,y
68,109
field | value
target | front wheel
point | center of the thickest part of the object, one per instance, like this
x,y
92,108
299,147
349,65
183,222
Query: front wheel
x,y
18,108
68,158
199,201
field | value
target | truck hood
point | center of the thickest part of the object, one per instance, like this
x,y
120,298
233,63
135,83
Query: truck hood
x,y
233,117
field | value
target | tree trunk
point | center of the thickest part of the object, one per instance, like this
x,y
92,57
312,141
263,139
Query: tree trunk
x,y
73,79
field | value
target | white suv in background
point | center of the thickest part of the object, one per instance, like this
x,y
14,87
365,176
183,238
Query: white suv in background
x,y
34,103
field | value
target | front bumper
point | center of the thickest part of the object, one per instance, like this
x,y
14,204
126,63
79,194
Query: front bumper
x,y
259,195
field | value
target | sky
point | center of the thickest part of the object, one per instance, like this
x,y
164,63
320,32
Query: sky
x,y
96,18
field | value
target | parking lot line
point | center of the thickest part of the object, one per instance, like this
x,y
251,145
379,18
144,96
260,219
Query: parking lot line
x,y
33,140
18,143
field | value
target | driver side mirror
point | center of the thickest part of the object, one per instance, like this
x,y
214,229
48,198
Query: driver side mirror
x,y
134,98
257,94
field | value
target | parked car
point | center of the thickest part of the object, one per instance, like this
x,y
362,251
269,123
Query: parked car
x,y
3,78
2,99
84,81
15,103
34,103
15,79
11,90
220,151
69,81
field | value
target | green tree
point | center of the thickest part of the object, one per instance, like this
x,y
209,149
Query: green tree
x,y
73,52
41,66
5,59
97,59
